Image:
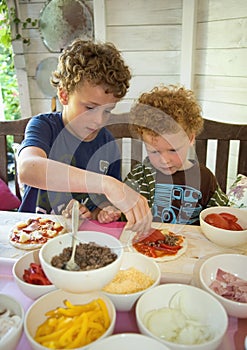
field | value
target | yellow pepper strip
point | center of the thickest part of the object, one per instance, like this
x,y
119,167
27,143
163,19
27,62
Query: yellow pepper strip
x,y
80,339
48,337
106,316
74,326
68,336
97,315
96,325
64,322
92,335
50,344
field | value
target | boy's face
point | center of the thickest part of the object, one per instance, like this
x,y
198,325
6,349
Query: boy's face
x,y
168,153
86,110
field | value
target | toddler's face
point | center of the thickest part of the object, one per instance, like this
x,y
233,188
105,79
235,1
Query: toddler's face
x,y
87,110
168,153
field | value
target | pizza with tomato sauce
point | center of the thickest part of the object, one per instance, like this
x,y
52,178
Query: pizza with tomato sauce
x,y
161,245
34,233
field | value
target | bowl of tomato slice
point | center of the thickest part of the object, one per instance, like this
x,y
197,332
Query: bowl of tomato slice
x,y
224,226
30,277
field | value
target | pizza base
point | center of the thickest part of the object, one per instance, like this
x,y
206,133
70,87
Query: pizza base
x,y
30,246
165,257
26,246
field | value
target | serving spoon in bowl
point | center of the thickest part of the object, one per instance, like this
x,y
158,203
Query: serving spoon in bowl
x,y
71,265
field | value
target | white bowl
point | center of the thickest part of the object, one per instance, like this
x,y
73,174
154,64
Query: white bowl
x,y
233,263
130,340
11,340
125,302
195,302
80,281
33,291
225,238
35,315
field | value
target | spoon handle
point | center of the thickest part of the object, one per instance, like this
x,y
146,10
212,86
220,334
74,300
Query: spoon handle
x,y
75,224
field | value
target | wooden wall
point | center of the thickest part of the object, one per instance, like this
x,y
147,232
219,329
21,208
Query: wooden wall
x,y
199,43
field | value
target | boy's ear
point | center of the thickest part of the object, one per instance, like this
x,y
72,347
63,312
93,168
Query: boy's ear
x,y
63,96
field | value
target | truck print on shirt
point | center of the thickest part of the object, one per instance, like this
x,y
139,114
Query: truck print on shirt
x,y
177,204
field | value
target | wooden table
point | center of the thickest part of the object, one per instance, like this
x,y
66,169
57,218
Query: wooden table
x,y
183,270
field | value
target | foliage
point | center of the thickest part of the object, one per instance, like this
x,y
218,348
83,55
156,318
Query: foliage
x,y
8,80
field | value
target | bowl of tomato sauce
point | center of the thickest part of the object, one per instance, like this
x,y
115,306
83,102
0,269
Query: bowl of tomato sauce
x,y
224,226
30,277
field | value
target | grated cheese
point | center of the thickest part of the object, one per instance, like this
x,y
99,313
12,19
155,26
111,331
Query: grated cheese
x,y
129,281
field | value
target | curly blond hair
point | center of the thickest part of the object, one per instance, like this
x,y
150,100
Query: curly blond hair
x,y
167,104
96,63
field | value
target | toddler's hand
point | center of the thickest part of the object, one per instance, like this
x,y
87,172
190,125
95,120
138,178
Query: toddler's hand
x,y
108,214
84,212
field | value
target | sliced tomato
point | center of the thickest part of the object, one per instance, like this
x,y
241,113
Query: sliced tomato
x,y
154,236
35,275
229,217
217,221
235,226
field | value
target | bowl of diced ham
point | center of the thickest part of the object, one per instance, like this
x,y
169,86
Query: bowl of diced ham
x,y
224,226
225,277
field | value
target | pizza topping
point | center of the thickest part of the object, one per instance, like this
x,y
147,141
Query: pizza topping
x,y
35,275
159,243
8,322
89,256
230,286
34,225
223,220
35,231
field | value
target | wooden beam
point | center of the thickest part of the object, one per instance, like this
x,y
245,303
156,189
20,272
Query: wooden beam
x,y
99,20
189,23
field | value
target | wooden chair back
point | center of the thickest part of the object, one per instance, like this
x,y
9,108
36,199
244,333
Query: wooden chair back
x,y
223,133
15,128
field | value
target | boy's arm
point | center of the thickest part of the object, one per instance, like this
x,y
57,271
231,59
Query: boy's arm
x,y
36,170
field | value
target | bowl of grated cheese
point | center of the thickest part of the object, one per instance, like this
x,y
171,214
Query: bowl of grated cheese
x,y
137,275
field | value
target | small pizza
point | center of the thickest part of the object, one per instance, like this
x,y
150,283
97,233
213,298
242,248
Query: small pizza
x,y
161,245
34,233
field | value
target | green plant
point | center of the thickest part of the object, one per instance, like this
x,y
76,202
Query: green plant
x,y
10,20
8,82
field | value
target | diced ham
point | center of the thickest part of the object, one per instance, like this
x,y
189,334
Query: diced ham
x,y
32,227
230,286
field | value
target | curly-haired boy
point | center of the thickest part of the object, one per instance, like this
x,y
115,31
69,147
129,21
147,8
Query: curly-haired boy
x,y
168,119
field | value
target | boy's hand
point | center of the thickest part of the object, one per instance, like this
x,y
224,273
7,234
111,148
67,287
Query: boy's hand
x,y
84,212
108,214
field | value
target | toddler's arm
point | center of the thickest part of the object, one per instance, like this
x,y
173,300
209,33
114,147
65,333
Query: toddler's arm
x,y
108,214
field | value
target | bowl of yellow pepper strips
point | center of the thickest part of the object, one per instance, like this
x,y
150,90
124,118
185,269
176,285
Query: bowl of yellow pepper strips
x,y
63,320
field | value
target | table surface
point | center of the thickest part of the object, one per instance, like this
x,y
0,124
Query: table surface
x,y
183,270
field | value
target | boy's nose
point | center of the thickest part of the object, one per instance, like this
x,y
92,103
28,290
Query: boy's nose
x,y
164,159
98,118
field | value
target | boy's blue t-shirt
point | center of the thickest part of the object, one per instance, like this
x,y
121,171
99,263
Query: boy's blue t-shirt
x,y
100,155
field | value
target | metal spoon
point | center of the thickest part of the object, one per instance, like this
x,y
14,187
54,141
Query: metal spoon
x,y
71,265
